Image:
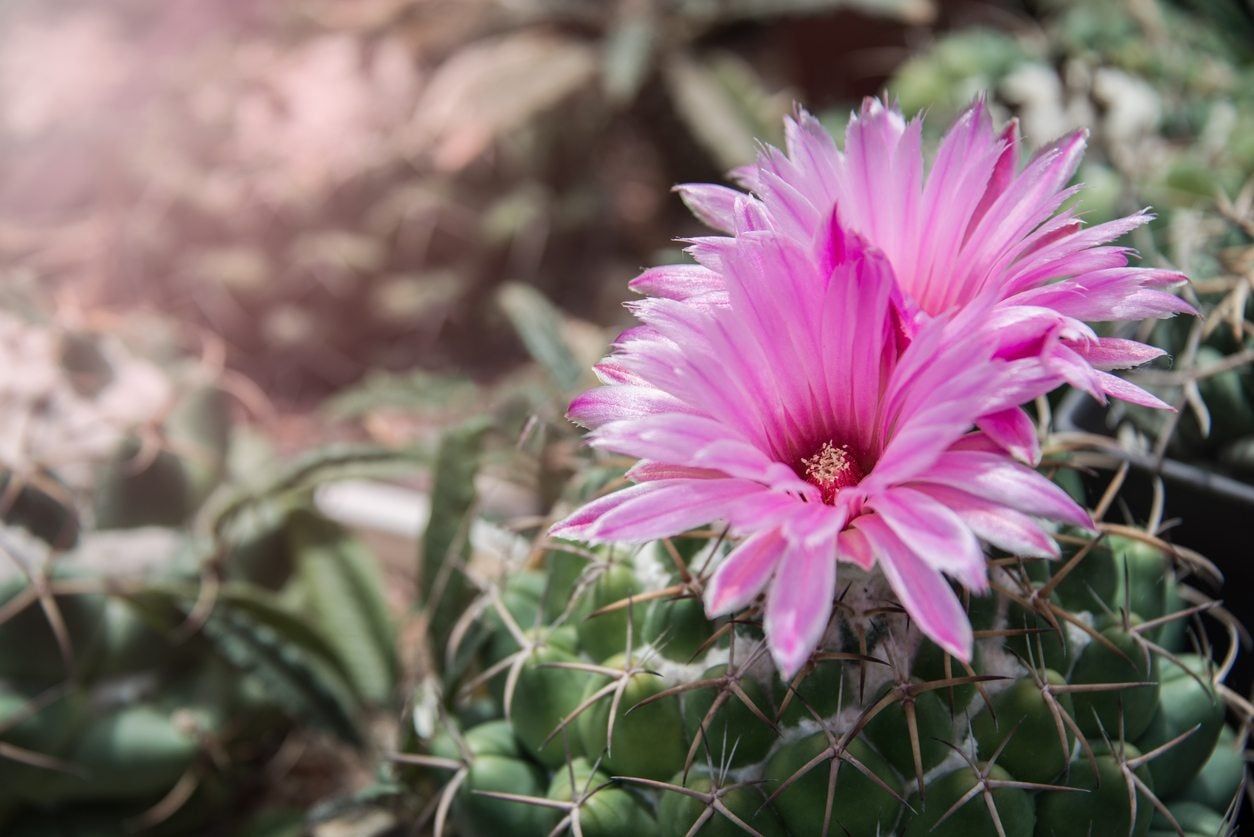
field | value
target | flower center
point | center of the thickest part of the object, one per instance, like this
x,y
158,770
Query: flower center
x,y
832,468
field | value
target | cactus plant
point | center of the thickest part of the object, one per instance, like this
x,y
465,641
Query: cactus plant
x,y
1078,712
1054,694
162,629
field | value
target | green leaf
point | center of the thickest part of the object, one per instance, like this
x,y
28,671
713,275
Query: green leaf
x,y
725,106
343,590
539,326
628,55
248,629
443,588
295,481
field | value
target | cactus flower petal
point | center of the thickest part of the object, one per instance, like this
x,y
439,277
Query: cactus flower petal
x,y
840,376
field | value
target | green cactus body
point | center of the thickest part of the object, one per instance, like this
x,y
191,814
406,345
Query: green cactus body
x,y
605,810
974,818
889,731
604,635
1219,779
648,739
734,729
678,628
1104,805
1123,661
678,813
1196,821
860,805
542,698
837,742
1186,700
1022,713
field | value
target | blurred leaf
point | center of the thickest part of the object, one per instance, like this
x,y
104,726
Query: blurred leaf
x,y
242,268
443,588
489,88
275,822
426,393
539,325
629,50
912,11
344,595
198,429
295,480
725,106
248,629
142,486
46,514
408,299
343,249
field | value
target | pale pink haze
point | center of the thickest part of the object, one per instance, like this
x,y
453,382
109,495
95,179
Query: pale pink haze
x,y
840,377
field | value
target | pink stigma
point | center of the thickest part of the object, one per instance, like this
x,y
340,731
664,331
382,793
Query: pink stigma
x,y
832,469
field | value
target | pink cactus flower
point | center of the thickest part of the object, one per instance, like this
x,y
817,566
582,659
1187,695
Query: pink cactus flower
x,y
784,385
973,227
840,378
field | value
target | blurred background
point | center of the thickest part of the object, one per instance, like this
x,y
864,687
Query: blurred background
x,y
326,190
271,245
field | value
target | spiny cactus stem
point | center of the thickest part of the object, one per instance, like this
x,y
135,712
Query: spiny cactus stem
x,y
680,566
985,786
837,751
1062,721
621,678
1238,636
1194,560
572,808
34,759
916,752
716,635
446,799
517,658
713,799
1042,607
206,597
712,551
679,689
728,686
435,762
1047,589
168,805
1112,491
539,802
469,618
1071,688
14,606
1002,633
1233,699
674,592
1133,783
1051,613
948,682
514,662
1151,624
33,707
56,620
511,624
